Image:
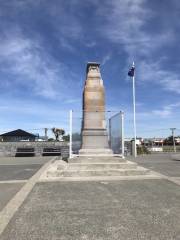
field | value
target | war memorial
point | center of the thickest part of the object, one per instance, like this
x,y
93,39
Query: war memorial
x,y
95,159
94,132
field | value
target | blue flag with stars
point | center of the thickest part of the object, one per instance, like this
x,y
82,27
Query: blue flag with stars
x,y
131,71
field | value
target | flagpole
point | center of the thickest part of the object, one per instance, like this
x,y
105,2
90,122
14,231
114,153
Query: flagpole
x,y
134,111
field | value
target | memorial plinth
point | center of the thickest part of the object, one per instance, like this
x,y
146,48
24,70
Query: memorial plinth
x,y
94,132
102,165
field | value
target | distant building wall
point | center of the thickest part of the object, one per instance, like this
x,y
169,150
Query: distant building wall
x,y
17,138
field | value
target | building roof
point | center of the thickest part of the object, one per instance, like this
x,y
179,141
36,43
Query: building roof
x,y
18,133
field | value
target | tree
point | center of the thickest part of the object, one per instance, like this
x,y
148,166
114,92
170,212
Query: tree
x,y
66,138
50,139
168,140
58,132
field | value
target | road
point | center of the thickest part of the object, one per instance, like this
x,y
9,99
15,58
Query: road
x,y
14,173
162,163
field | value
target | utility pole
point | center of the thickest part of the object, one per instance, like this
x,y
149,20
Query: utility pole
x,y
45,133
174,145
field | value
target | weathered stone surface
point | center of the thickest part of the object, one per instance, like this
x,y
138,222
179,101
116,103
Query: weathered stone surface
x,y
94,133
81,168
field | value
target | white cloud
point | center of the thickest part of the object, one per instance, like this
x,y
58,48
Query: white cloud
x,y
105,59
65,21
167,110
125,24
73,100
32,66
31,115
90,44
162,113
154,72
124,20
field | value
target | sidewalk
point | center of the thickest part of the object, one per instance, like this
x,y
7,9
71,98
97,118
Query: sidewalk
x,y
102,210
14,173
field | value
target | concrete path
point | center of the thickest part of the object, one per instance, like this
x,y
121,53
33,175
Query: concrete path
x,y
14,174
125,210
162,163
7,191
20,168
148,209
18,172
23,160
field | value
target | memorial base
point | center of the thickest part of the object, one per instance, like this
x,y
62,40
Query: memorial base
x,y
95,142
96,152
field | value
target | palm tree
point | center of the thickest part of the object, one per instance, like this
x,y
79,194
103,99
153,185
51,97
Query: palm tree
x,y
58,132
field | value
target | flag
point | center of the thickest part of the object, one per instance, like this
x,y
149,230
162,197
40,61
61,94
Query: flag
x,y
131,71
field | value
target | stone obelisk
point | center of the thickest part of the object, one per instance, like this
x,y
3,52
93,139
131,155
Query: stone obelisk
x,y
94,132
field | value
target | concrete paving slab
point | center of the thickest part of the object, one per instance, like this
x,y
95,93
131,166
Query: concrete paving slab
x,y
14,204
148,209
105,178
18,172
7,191
169,169
23,160
156,157
162,163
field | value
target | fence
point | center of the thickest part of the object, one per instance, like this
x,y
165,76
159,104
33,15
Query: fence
x,y
113,123
116,133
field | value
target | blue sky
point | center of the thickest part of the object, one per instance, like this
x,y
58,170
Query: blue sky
x,y
45,45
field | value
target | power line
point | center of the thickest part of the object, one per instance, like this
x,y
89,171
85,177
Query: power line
x,y
154,130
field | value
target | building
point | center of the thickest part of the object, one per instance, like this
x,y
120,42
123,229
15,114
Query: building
x,y
154,141
17,136
177,140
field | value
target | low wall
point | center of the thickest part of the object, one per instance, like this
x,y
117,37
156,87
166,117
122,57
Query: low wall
x,y
155,149
9,148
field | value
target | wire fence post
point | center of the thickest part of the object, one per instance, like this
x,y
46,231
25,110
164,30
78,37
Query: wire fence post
x,y
110,132
70,134
122,133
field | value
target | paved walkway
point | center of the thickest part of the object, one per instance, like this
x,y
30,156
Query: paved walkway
x,y
136,209
20,168
14,173
162,163
7,191
148,209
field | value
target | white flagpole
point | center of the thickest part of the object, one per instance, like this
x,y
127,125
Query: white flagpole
x,y
70,134
134,110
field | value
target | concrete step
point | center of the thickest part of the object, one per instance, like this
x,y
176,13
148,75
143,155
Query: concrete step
x,y
96,152
92,173
97,160
95,167
101,166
